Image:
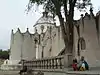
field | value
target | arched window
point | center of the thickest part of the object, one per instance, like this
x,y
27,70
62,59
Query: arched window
x,y
50,52
35,40
81,44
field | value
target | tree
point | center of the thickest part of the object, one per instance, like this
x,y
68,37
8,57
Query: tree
x,y
67,6
4,54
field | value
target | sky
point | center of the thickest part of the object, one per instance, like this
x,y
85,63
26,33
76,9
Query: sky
x,y
13,16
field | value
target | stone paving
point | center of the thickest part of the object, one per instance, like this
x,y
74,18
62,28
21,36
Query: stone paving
x,y
9,73
55,73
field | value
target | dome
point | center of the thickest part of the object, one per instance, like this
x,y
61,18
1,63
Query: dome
x,y
45,19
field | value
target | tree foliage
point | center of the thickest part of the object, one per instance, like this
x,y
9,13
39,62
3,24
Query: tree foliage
x,y
4,54
56,7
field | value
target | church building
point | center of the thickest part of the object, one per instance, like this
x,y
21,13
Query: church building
x,y
47,41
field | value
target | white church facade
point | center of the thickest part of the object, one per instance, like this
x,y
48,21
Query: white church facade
x,y
47,40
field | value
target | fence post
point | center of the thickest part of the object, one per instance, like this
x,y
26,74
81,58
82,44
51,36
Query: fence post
x,y
67,60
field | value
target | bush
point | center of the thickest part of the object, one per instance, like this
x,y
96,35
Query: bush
x,y
4,54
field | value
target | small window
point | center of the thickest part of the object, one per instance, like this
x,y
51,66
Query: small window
x,y
50,52
81,44
35,40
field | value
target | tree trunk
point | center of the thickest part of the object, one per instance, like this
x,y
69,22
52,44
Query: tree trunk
x,y
67,29
71,26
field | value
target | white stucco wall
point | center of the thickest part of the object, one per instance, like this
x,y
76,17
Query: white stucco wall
x,y
47,43
60,40
57,41
55,44
89,33
28,51
16,46
22,46
11,42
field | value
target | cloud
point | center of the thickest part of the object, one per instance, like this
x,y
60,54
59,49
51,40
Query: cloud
x,y
12,16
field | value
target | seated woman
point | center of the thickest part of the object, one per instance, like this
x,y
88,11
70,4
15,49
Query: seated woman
x,y
74,65
83,65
